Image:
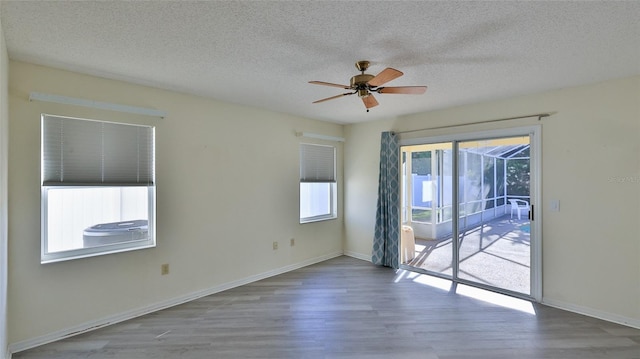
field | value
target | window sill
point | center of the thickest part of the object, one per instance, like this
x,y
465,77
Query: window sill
x,y
317,219
104,250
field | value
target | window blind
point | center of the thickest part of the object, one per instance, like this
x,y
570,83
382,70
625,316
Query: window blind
x,y
78,152
317,163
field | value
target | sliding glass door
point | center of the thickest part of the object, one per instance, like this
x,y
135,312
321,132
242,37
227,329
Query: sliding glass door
x,y
491,181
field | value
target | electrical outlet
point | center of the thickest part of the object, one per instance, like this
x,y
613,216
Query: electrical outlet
x,y
292,242
275,245
164,269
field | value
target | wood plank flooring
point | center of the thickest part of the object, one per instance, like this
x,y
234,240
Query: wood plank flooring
x,y
348,308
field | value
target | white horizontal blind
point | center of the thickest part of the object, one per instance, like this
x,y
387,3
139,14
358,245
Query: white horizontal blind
x,y
317,163
79,152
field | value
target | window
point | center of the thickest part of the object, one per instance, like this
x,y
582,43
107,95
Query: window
x,y
317,183
98,188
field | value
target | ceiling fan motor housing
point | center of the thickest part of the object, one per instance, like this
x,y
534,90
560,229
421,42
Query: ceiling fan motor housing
x,y
359,83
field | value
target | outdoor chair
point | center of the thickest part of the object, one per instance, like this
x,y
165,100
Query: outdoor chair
x,y
518,205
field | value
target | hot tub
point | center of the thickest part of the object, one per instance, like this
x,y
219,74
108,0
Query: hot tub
x,y
115,232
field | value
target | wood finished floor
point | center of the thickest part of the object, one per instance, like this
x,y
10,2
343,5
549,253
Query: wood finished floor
x,y
348,308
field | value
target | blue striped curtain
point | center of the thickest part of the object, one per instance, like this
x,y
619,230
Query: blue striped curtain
x,y
387,233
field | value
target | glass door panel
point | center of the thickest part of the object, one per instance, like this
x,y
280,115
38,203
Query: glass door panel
x,y
427,183
494,202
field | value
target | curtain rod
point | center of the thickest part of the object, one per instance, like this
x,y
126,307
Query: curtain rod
x,y
65,100
320,137
538,115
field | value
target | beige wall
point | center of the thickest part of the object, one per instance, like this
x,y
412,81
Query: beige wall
x,y
362,165
590,162
4,120
227,187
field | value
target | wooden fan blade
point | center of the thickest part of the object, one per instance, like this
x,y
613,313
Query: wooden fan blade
x,y
411,90
329,84
332,97
385,76
369,101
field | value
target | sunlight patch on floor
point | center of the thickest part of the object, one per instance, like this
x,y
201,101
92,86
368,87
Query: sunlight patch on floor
x,y
486,296
435,282
496,298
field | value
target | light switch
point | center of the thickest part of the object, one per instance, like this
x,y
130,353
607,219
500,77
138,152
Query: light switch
x,y
554,205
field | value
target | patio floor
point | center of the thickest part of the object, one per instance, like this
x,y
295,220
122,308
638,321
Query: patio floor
x,y
496,253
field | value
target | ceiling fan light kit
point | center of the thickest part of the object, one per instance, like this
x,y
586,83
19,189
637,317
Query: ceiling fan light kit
x,y
364,84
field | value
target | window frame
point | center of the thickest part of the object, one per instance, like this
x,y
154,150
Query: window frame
x,y
99,250
331,180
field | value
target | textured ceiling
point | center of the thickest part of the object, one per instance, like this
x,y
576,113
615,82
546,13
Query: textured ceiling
x,y
263,54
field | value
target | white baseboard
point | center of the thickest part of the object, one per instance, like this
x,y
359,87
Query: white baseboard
x,y
356,255
590,312
130,314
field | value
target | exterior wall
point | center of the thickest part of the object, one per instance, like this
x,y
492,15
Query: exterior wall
x,y
590,163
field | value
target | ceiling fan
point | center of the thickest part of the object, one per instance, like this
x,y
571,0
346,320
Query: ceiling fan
x,y
365,84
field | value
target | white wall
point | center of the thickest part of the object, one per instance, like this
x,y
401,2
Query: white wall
x,y
4,126
590,162
227,187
